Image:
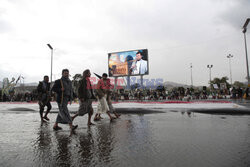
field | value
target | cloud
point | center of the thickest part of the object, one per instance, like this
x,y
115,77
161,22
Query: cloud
x,y
4,26
176,33
236,12
7,74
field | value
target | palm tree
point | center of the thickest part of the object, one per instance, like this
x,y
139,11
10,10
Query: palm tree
x,y
220,81
75,82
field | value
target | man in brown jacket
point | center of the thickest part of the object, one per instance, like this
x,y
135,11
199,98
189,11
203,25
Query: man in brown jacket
x,y
85,96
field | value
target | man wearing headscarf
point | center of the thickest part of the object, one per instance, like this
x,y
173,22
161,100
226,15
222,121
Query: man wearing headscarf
x,y
86,96
64,91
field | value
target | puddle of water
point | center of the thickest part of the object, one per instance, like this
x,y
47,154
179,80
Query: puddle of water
x,y
163,139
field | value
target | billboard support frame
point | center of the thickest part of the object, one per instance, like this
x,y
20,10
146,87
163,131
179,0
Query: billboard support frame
x,y
128,83
142,81
115,86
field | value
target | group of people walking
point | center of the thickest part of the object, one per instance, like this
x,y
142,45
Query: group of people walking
x,y
64,93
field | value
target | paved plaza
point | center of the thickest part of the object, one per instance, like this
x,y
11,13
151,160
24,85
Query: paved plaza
x,y
147,134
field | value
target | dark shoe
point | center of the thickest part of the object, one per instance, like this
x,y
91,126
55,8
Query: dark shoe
x,y
43,121
117,115
74,127
112,119
46,118
96,119
90,124
57,128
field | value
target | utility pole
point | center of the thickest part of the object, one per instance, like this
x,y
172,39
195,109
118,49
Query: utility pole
x,y
210,67
244,32
191,66
229,57
51,62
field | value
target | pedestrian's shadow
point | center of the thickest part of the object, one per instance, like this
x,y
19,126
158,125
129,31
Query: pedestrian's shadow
x,y
63,153
43,145
86,147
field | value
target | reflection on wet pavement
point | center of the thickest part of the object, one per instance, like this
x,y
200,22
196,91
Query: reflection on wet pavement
x,y
170,138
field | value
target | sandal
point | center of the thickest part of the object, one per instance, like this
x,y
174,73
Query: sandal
x,y
117,115
57,128
74,127
46,118
90,124
96,119
112,119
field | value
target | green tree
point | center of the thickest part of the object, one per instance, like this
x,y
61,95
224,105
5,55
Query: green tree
x,y
77,77
239,84
220,81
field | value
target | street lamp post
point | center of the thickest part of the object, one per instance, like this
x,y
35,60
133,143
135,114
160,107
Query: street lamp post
x,y
244,32
210,66
229,57
191,66
51,62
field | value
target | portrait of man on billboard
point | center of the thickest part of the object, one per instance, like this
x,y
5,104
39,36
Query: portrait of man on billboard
x,y
139,66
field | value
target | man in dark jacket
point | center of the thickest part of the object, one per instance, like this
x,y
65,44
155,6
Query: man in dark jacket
x,y
44,98
64,91
85,96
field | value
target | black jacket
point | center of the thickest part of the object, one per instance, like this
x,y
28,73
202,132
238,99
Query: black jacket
x,y
43,92
57,88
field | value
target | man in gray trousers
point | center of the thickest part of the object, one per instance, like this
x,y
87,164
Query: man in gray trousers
x,y
64,91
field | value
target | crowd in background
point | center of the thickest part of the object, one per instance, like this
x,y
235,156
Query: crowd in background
x,y
179,93
28,97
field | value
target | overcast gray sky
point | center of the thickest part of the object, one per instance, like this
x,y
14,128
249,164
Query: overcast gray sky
x,y
176,33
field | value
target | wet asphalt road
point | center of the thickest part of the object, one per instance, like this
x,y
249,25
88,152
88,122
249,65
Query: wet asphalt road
x,y
166,138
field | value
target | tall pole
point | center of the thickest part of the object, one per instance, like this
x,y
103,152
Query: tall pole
x,y
210,75
229,57
210,78
248,80
51,65
231,79
23,86
244,32
191,66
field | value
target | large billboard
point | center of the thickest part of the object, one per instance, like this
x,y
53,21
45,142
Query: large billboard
x,y
134,62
